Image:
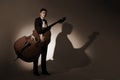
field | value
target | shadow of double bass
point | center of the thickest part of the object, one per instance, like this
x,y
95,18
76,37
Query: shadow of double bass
x,y
65,56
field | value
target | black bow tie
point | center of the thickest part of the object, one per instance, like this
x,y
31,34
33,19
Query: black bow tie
x,y
43,19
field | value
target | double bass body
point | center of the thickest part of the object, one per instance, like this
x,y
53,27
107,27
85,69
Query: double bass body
x,y
28,48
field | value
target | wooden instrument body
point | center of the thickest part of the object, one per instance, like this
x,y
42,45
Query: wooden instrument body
x,y
28,49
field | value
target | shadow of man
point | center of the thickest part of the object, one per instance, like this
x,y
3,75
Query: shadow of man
x,y
66,57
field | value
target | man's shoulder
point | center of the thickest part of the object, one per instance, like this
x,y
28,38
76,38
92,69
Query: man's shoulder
x,y
38,18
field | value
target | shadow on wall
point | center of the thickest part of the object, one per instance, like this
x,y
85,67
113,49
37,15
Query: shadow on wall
x,y
65,56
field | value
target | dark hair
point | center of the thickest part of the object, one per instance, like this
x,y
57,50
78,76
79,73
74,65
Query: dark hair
x,y
43,9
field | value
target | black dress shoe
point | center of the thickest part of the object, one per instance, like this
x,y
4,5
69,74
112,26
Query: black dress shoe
x,y
45,73
36,74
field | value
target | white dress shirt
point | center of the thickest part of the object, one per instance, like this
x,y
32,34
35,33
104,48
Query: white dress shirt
x,y
44,25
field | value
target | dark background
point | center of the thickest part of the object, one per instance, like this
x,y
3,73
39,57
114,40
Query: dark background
x,y
100,61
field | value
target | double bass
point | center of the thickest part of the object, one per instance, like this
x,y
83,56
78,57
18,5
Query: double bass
x,y
28,48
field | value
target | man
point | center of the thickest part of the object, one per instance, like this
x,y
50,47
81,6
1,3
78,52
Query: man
x,y
44,31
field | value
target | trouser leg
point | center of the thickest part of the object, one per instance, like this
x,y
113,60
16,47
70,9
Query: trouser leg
x,y
43,59
35,66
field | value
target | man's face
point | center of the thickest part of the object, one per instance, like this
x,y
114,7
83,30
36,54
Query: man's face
x,y
43,14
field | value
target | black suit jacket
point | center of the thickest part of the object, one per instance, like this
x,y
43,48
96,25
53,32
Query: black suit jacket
x,y
38,26
45,31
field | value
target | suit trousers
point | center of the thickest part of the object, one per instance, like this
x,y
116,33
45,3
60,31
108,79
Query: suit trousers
x,y
43,60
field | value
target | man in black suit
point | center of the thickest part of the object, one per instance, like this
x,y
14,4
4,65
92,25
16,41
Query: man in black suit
x,y
42,28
